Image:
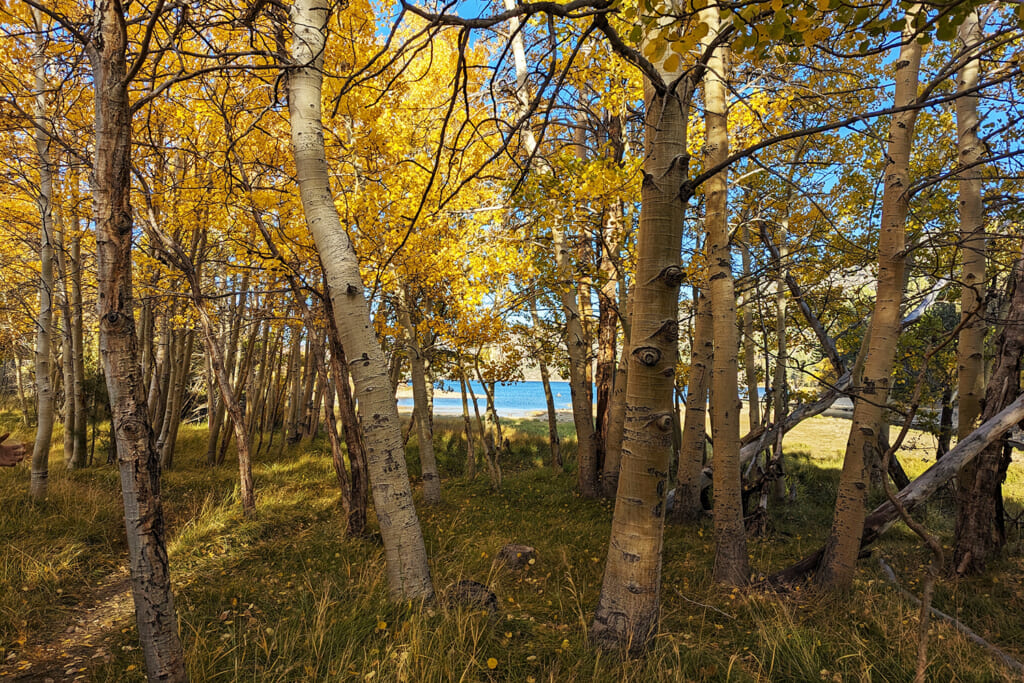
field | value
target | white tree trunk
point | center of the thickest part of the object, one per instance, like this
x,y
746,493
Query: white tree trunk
x,y
44,322
404,549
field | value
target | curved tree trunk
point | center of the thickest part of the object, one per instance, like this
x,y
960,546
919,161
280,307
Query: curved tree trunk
x,y
137,458
404,550
871,390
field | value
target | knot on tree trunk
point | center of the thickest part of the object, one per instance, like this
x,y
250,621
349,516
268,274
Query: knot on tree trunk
x,y
647,355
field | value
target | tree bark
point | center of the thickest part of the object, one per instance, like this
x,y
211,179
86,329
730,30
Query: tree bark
x,y
578,348
404,549
627,610
612,234
468,427
749,348
67,349
554,443
980,528
421,407
871,390
137,458
357,479
970,345
78,459
44,321
617,405
177,397
731,562
688,507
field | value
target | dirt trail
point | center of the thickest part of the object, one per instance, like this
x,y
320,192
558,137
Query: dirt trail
x,y
67,654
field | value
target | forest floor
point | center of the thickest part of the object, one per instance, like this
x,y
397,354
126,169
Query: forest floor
x,y
286,597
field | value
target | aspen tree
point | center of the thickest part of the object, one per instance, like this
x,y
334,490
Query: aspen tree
x,y
731,562
44,322
137,458
404,550
628,607
871,388
971,342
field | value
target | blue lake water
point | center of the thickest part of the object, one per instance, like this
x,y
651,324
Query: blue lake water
x,y
519,399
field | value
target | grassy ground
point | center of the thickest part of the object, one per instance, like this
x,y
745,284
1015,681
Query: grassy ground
x,y
285,597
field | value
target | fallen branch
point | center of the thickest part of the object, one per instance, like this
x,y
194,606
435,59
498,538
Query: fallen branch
x,y
919,490
1009,661
802,412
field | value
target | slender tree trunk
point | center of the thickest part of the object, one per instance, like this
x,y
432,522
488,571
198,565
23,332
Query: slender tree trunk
x,y
871,390
485,436
78,459
309,376
749,348
578,347
236,313
178,397
353,436
67,347
554,443
44,322
169,422
22,398
242,384
945,436
617,407
231,403
138,460
607,331
627,611
468,425
980,528
404,549
420,406
295,366
492,437
971,343
731,562
687,507
162,375
780,389
257,396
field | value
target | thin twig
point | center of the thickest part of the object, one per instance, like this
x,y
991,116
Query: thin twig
x,y
1009,661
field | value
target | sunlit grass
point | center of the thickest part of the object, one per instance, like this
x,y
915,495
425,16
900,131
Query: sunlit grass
x,y
286,597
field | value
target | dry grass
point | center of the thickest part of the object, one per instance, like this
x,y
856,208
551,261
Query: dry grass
x,y
286,598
